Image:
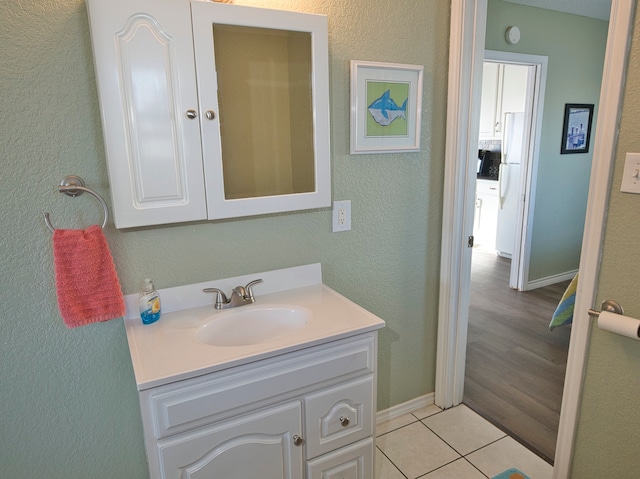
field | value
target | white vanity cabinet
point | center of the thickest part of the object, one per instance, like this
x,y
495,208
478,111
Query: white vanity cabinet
x,y
304,414
211,110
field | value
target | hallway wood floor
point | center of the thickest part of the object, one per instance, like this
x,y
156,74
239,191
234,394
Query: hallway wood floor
x,y
515,366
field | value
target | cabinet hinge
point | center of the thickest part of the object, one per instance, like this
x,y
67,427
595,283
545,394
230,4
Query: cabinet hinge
x,y
470,242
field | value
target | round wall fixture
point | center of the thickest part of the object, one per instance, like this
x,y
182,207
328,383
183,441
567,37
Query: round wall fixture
x,y
512,35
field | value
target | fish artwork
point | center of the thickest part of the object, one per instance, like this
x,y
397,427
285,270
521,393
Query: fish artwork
x,y
385,111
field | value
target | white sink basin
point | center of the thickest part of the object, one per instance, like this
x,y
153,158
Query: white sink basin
x,y
252,325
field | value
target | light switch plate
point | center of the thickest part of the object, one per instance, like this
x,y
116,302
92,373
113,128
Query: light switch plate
x,y
631,174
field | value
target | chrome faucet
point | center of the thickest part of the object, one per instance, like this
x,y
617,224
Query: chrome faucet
x,y
240,296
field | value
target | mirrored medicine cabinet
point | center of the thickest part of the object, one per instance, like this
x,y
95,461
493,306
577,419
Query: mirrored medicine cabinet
x,y
211,110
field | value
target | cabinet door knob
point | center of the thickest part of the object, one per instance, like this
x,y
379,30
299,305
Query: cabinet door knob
x,y
297,440
210,114
344,421
191,114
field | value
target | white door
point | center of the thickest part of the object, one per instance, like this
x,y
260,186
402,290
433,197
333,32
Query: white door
x,y
468,22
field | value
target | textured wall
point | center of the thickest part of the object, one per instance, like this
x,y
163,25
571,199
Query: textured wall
x,y
68,402
575,46
608,431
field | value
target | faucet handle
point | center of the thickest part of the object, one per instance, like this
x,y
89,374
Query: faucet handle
x,y
249,289
221,298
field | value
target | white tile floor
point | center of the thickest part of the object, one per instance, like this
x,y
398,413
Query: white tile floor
x,y
457,443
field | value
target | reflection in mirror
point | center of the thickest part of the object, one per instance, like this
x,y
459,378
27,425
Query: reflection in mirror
x,y
265,111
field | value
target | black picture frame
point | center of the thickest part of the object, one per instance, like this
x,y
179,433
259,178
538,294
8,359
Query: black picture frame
x,y
576,129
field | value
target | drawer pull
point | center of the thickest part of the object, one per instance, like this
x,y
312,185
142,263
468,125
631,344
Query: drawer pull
x,y
297,440
344,421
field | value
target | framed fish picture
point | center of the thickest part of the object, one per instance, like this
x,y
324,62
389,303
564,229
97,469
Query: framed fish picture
x,y
386,107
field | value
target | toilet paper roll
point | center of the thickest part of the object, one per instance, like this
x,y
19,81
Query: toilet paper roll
x,y
619,324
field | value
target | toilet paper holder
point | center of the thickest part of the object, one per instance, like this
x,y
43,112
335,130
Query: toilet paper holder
x,y
608,305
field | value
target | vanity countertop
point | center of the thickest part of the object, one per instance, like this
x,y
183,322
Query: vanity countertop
x,y
168,351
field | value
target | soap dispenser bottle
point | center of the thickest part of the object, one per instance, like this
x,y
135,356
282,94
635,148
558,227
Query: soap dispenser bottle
x,y
149,303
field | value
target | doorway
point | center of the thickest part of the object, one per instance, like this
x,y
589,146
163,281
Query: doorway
x,y
520,81
508,337
468,22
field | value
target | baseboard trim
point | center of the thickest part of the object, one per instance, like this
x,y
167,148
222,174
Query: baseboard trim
x,y
549,280
405,408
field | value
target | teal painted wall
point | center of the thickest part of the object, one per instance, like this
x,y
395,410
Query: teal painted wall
x,y
575,46
608,428
68,402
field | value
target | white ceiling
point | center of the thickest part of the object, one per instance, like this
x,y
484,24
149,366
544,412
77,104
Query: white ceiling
x,y
587,8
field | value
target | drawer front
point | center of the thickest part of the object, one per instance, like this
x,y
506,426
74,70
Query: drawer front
x,y
351,462
486,187
196,402
339,416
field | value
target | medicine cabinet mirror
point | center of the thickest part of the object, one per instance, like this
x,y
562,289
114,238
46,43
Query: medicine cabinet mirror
x,y
211,110
266,112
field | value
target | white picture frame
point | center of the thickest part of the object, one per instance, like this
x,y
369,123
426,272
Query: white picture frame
x,y
386,107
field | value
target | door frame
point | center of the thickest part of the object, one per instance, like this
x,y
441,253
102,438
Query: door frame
x,y
467,32
534,109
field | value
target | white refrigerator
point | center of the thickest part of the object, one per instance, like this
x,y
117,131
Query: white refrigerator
x,y
509,180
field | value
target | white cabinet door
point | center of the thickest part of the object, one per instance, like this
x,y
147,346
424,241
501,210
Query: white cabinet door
x,y
489,100
265,130
514,88
259,445
512,92
486,214
146,82
504,90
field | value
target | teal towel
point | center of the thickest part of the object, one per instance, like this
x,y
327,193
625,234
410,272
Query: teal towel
x,y
564,312
511,474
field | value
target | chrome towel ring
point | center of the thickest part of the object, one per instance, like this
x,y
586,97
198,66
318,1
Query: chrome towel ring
x,y
74,186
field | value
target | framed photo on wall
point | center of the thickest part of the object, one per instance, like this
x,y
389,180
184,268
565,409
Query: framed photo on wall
x,y
576,129
386,107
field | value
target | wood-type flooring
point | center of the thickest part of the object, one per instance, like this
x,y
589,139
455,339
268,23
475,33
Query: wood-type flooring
x,y
515,366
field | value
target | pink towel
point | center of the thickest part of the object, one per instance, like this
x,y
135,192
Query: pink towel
x,y
86,280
